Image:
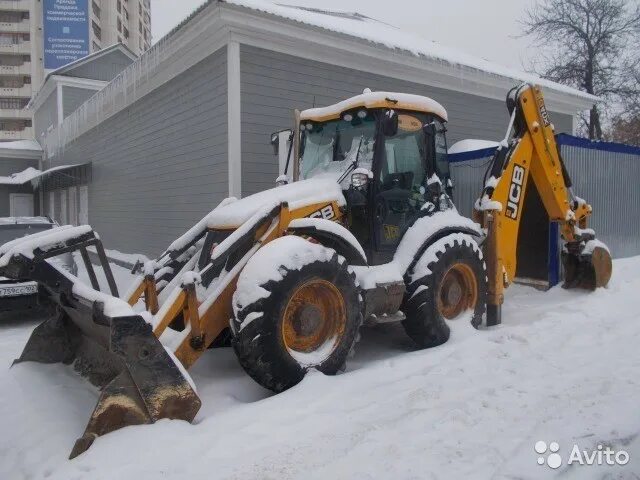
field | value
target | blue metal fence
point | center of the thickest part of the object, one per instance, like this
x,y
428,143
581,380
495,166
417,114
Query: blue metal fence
x,y
605,174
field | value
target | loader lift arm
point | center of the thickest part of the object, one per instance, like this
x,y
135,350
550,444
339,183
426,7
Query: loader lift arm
x,y
530,153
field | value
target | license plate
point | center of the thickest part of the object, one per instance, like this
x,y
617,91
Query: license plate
x,y
18,290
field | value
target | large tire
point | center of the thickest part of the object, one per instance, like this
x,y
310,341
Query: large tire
x,y
449,279
279,337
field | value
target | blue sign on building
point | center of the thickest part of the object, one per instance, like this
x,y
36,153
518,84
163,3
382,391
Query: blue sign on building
x,y
66,31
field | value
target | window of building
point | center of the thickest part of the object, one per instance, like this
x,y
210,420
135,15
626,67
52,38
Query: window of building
x,y
119,6
119,25
11,82
13,103
27,80
140,26
125,13
96,9
125,32
95,47
10,17
140,9
97,31
13,38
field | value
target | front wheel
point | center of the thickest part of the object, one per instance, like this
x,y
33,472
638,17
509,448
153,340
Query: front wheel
x,y
296,307
448,280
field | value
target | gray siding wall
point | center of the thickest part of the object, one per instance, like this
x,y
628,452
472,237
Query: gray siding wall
x,y
161,164
73,97
105,68
273,84
46,115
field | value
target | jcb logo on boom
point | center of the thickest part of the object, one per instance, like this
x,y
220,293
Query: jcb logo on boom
x,y
515,192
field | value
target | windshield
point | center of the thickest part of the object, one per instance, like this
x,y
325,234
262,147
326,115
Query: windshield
x,y
329,148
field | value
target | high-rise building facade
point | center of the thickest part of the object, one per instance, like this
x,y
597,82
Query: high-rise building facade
x,y
38,36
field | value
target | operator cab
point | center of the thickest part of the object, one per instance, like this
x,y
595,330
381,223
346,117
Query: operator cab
x,y
384,150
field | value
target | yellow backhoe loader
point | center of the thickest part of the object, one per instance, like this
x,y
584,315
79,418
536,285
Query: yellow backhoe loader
x,y
362,228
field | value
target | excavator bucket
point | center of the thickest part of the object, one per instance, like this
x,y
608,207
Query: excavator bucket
x,y
587,270
101,336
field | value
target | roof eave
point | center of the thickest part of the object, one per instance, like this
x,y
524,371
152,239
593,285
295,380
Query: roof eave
x,y
239,18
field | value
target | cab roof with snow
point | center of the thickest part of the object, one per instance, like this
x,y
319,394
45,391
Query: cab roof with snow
x,y
400,101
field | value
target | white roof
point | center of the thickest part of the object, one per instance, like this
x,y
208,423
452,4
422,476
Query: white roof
x,y
374,31
31,174
22,145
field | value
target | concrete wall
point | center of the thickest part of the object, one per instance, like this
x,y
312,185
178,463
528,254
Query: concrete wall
x,y
273,84
161,164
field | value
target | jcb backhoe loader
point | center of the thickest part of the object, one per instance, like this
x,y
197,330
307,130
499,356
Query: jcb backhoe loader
x,y
366,230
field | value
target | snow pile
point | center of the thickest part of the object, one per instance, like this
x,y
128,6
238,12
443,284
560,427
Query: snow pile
x,y
21,178
471,145
271,263
297,194
47,240
562,367
371,99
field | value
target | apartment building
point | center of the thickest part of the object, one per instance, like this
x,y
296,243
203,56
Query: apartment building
x,y
40,36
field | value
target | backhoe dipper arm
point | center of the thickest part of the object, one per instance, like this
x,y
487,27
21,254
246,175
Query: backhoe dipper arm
x,y
533,155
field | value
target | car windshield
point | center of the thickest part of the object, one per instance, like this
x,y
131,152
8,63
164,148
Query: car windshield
x,y
329,148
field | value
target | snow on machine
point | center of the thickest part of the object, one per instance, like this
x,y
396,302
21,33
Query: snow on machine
x,y
362,227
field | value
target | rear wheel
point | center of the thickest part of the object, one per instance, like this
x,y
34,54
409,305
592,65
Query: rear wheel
x,y
449,279
308,318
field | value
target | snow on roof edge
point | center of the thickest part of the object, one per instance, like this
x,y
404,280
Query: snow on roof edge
x,y
472,62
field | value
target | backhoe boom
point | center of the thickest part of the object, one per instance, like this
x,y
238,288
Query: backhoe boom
x,y
530,153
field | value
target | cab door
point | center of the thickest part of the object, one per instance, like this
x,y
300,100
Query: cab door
x,y
400,186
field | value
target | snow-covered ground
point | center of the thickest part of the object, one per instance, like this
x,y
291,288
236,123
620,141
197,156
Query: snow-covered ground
x,y
564,367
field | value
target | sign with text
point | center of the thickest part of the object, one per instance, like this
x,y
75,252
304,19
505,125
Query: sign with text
x,y
66,31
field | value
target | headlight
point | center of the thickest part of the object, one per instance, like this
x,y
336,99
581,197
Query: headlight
x,y
359,179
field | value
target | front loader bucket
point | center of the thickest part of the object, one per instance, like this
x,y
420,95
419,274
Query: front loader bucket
x,y
105,341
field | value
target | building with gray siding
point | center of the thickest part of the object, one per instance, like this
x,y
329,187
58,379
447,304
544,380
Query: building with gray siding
x,y
189,122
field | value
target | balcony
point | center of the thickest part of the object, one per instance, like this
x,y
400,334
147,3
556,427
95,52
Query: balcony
x,y
15,114
22,26
23,48
24,91
14,5
12,135
18,70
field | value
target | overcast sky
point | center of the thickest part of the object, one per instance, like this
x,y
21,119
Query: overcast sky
x,y
486,28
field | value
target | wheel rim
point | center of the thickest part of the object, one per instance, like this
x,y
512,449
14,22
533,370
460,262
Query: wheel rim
x,y
458,291
314,321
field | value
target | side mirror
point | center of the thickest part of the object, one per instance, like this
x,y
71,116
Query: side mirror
x,y
276,138
390,123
